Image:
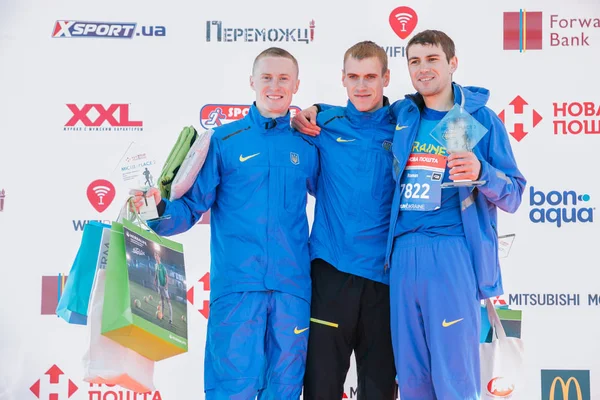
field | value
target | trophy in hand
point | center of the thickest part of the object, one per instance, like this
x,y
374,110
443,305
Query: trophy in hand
x,y
458,131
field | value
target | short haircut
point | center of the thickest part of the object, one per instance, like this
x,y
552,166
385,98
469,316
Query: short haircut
x,y
276,52
433,38
368,49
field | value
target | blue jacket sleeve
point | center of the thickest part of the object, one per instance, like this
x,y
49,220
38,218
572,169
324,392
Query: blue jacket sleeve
x,y
314,178
323,107
186,212
504,182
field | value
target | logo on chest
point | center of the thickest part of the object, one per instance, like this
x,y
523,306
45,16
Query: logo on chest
x,y
294,158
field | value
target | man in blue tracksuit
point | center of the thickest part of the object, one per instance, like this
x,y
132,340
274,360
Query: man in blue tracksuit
x,y
443,243
350,301
255,181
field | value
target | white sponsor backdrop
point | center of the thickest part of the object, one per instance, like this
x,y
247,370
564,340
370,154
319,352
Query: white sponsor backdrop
x,y
164,81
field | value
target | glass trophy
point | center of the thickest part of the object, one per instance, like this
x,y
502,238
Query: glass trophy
x,y
458,131
137,171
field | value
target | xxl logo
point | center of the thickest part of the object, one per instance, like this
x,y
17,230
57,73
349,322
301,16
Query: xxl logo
x,y
202,299
100,193
523,30
53,388
215,115
566,385
52,289
517,129
559,207
111,30
95,115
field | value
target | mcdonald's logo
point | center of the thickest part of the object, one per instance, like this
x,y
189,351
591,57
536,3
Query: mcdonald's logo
x,y
565,385
565,388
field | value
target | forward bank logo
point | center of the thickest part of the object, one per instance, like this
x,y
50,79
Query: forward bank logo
x,y
523,30
566,385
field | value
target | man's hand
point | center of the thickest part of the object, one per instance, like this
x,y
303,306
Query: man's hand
x,y
138,199
306,122
464,165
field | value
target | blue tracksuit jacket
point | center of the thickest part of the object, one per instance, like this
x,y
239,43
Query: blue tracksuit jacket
x,y
504,187
355,190
255,181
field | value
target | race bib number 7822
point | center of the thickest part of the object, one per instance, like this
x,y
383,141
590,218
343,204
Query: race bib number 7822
x,y
421,184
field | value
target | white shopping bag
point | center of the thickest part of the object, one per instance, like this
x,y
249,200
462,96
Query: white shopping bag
x,y
191,165
501,363
106,361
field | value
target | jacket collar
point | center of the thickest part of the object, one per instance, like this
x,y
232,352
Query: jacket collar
x,y
359,117
266,123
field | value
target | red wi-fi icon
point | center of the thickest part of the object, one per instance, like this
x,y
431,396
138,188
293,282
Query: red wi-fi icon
x,y
100,193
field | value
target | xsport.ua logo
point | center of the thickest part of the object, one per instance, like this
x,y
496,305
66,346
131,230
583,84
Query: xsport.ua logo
x,y
559,207
215,115
105,30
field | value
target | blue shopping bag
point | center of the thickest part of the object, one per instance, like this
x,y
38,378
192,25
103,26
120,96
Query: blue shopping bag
x,y
75,295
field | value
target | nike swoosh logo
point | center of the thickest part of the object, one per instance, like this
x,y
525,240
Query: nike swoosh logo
x,y
299,331
340,140
447,324
244,159
399,128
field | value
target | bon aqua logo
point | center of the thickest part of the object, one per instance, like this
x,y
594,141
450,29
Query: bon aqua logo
x,y
559,207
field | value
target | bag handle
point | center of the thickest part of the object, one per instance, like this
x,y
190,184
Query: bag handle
x,y
128,210
495,319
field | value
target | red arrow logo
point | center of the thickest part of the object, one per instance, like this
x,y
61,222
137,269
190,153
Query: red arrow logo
x,y
518,132
35,389
72,388
205,280
54,373
501,116
518,103
536,118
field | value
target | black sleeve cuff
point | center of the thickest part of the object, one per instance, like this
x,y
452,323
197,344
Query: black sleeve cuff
x,y
160,207
318,108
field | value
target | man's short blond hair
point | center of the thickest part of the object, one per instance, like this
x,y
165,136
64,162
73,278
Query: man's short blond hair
x,y
275,52
368,49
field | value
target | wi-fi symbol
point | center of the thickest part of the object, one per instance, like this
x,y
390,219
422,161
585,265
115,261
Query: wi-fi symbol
x,y
403,18
101,191
403,21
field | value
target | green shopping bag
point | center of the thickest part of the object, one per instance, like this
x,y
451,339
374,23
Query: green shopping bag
x,y
145,306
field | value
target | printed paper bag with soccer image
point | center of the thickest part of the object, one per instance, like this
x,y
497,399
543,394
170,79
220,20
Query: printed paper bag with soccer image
x,y
145,305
